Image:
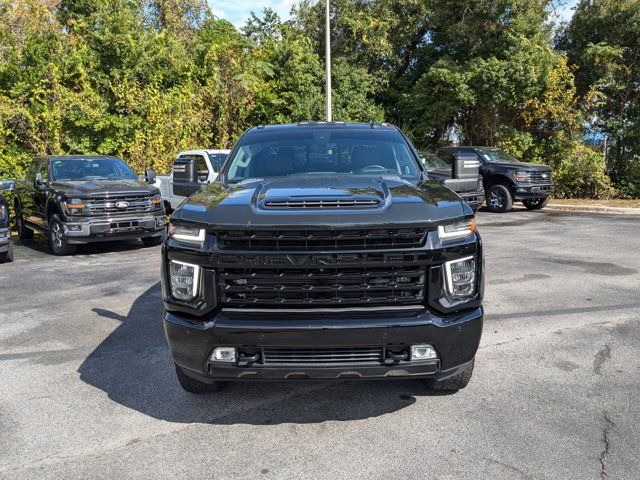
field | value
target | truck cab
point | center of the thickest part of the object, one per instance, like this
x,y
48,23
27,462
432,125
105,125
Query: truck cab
x,y
192,169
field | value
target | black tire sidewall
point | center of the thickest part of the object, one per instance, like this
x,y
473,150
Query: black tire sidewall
x,y
508,199
65,248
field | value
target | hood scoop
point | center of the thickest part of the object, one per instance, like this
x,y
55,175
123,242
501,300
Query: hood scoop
x,y
321,203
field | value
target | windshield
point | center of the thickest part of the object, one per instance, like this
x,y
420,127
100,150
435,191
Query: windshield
x,y
497,156
322,151
431,162
91,169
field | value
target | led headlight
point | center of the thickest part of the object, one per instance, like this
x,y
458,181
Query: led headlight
x,y
156,201
522,176
186,233
184,279
74,206
461,277
458,230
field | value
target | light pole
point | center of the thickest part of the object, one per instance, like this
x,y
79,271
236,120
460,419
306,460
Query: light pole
x,y
327,59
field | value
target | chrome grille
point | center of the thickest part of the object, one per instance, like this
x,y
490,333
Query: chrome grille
x,y
276,240
116,205
327,355
540,177
334,203
321,286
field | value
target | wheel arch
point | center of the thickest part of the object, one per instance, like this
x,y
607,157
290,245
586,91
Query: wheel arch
x,y
497,179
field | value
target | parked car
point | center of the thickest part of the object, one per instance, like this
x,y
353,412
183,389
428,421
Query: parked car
x,y
506,179
323,251
6,250
462,176
76,199
192,170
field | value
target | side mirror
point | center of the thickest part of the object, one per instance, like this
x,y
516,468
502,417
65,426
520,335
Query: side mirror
x,y
7,185
465,165
150,176
38,182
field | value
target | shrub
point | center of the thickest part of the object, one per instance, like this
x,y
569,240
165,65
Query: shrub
x,y
580,173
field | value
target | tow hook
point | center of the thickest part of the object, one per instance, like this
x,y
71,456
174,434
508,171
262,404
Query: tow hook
x,y
244,359
392,357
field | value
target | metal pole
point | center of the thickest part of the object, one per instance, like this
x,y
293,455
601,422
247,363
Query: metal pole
x,y
328,59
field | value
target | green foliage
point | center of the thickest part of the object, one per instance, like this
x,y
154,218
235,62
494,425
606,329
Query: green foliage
x,y
143,79
582,173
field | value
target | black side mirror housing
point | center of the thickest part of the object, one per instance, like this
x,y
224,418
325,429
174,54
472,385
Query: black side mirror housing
x,y
150,176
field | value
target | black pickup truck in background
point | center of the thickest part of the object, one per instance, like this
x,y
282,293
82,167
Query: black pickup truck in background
x,y
506,179
462,176
323,251
76,199
6,251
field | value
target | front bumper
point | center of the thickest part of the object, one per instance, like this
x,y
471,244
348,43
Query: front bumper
x,y
455,337
5,239
79,230
527,191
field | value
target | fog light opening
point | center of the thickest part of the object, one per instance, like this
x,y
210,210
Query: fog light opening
x,y
224,354
423,352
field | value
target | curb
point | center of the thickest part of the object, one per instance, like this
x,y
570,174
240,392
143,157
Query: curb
x,y
593,209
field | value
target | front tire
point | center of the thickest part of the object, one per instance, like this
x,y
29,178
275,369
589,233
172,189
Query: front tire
x,y
57,242
536,203
192,385
499,199
7,256
452,384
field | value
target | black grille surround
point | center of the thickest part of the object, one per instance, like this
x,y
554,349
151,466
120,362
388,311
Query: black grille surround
x,y
115,205
540,178
343,239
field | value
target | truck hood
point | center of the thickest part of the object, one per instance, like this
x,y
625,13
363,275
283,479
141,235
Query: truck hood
x,y
322,202
101,188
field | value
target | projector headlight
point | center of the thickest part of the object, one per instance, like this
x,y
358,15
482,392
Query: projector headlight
x,y
458,230
460,276
186,233
184,279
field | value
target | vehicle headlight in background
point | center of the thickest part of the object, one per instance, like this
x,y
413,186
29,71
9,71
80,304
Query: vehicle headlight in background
x,y
186,234
184,279
156,201
3,212
522,176
74,206
458,230
460,276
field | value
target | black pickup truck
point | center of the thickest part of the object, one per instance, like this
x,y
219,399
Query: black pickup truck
x,y
462,176
6,251
506,179
323,251
76,199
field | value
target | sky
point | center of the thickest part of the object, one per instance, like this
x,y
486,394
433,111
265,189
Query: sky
x,y
237,11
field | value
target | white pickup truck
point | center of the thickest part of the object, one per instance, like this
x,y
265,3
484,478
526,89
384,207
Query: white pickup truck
x,y
192,169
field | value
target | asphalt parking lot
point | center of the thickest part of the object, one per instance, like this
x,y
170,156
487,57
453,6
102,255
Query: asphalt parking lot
x,y
87,388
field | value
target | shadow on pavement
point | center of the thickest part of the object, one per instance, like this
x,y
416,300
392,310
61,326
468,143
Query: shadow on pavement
x,y
133,366
40,244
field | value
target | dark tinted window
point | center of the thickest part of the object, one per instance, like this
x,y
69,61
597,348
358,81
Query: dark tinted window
x,y
217,160
308,151
91,169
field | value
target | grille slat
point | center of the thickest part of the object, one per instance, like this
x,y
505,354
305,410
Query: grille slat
x,y
314,286
103,206
279,240
306,356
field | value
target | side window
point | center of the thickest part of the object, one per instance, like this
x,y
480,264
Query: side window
x,y
43,170
201,166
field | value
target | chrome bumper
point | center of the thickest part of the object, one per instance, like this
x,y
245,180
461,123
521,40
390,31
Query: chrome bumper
x,y
5,236
114,225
